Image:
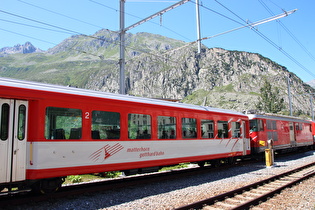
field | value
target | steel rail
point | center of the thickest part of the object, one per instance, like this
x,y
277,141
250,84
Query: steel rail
x,y
256,200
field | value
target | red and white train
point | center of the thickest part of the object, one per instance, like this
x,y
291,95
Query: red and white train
x,y
287,133
48,132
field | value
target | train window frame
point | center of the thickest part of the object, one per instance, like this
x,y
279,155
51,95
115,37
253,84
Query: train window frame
x,y
102,131
256,125
189,128
139,127
272,135
63,131
207,129
21,122
166,127
224,132
5,119
271,125
236,129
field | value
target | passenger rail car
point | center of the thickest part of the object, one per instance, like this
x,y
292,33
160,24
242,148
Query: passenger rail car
x,y
48,132
287,133
313,132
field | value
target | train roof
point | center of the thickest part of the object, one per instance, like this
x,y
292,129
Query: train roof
x,y
277,117
98,94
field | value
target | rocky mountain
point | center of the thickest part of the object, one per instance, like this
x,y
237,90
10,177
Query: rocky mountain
x,y
159,67
24,49
311,83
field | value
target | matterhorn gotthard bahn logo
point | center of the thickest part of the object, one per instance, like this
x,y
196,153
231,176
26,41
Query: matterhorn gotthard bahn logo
x,y
105,152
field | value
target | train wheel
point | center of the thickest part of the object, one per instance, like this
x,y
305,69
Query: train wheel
x,y
201,164
46,186
216,163
231,161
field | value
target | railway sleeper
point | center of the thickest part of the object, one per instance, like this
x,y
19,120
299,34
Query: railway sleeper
x,y
244,197
233,200
264,189
224,205
259,191
253,194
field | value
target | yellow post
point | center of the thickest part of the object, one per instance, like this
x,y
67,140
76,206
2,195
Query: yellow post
x,y
268,157
269,153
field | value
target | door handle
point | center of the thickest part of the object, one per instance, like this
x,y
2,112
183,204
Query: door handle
x,y
15,151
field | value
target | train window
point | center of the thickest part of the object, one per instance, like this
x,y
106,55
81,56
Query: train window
x,y
166,127
271,125
139,126
253,125
260,125
272,135
189,128
105,125
300,126
223,129
236,129
256,125
4,128
207,129
63,123
21,122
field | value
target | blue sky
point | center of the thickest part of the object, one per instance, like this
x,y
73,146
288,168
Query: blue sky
x,y
292,46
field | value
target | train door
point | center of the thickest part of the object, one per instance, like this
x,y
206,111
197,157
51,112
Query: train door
x,y
13,134
243,136
292,132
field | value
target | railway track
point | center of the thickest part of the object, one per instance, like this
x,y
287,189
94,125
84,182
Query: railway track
x,y
253,194
15,199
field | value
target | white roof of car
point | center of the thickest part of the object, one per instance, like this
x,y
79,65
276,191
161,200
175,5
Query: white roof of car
x,y
99,94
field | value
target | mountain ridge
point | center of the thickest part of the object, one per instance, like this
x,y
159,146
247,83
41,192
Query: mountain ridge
x,y
24,49
158,67
311,83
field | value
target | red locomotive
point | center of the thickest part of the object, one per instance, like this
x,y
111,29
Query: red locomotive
x,y
287,133
48,132
313,132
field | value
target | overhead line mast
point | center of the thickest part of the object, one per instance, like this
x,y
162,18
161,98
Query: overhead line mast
x,y
122,32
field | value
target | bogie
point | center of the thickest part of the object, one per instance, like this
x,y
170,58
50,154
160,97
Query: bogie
x,y
46,186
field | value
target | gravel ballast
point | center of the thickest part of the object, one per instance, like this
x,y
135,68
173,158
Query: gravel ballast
x,y
175,193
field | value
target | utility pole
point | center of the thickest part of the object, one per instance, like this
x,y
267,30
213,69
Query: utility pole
x,y
289,94
122,88
198,26
122,32
312,109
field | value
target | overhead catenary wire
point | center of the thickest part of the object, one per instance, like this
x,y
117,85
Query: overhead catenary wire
x,y
139,18
27,36
288,31
271,42
75,32
60,14
64,30
53,26
251,25
38,27
40,22
72,48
